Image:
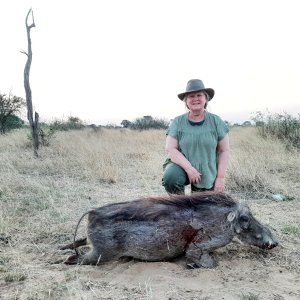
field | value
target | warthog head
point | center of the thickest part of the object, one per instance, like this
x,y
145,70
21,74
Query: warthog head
x,y
250,231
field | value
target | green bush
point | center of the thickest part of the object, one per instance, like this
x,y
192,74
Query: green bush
x,y
13,122
71,123
10,106
281,126
47,131
148,122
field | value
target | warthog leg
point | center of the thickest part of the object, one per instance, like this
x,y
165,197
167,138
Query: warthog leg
x,y
197,258
90,258
78,243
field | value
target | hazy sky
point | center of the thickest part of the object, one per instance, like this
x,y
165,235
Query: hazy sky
x,y
105,61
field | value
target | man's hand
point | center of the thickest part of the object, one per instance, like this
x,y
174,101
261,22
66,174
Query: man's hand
x,y
194,175
219,185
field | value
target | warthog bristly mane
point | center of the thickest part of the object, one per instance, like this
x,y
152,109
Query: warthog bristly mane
x,y
154,208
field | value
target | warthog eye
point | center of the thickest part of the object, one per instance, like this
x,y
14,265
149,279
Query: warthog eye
x,y
244,218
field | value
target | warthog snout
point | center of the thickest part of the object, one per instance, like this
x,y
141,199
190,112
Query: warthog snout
x,y
269,245
252,232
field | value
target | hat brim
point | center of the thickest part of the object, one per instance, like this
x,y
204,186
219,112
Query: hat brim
x,y
209,91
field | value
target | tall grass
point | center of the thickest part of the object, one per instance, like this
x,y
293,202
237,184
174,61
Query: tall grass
x,y
261,166
74,173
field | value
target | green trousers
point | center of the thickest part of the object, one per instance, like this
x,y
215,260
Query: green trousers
x,y
175,179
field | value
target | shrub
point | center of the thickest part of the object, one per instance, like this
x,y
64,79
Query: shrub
x,y
72,123
284,127
10,105
148,122
13,122
47,131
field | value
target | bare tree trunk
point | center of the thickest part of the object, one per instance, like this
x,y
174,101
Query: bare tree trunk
x,y
34,122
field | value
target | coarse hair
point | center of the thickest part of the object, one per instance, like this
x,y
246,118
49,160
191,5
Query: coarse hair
x,y
206,97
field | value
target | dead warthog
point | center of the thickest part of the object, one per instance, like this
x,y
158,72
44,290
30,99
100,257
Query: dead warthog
x,y
162,228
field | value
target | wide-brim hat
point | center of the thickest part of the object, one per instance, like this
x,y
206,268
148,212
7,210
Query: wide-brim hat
x,y
196,85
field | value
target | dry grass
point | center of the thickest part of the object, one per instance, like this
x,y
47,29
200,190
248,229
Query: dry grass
x,y
42,199
262,167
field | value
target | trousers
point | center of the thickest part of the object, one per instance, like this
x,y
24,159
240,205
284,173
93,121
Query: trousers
x,y
175,179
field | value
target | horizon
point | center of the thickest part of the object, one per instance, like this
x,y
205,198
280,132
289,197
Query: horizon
x,y
234,118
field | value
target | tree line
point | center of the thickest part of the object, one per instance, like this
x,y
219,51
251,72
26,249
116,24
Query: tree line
x,y
11,106
281,126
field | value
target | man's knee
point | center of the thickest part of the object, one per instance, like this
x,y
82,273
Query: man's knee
x,y
174,179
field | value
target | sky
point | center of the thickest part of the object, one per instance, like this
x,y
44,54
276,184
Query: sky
x,y
106,61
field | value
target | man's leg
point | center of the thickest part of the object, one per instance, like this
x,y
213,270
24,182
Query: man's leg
x,y
174,179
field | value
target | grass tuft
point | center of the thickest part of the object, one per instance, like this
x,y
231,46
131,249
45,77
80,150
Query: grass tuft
x,y
291,228
250,296
15,277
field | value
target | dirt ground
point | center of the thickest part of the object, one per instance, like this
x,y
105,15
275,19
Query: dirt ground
x,y
243,272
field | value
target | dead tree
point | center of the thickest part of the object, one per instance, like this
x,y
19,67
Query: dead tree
x,y
34,122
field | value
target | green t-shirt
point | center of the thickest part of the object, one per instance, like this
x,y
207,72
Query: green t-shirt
x,y
198,143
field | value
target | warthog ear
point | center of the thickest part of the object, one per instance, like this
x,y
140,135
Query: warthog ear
x,y
231,216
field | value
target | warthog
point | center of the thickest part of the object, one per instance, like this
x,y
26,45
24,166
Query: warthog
x,y
162,228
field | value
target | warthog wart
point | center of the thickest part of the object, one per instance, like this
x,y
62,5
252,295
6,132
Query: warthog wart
x,y
163,228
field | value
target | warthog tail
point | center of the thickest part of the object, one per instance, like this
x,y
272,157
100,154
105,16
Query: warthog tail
x,y
75,244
